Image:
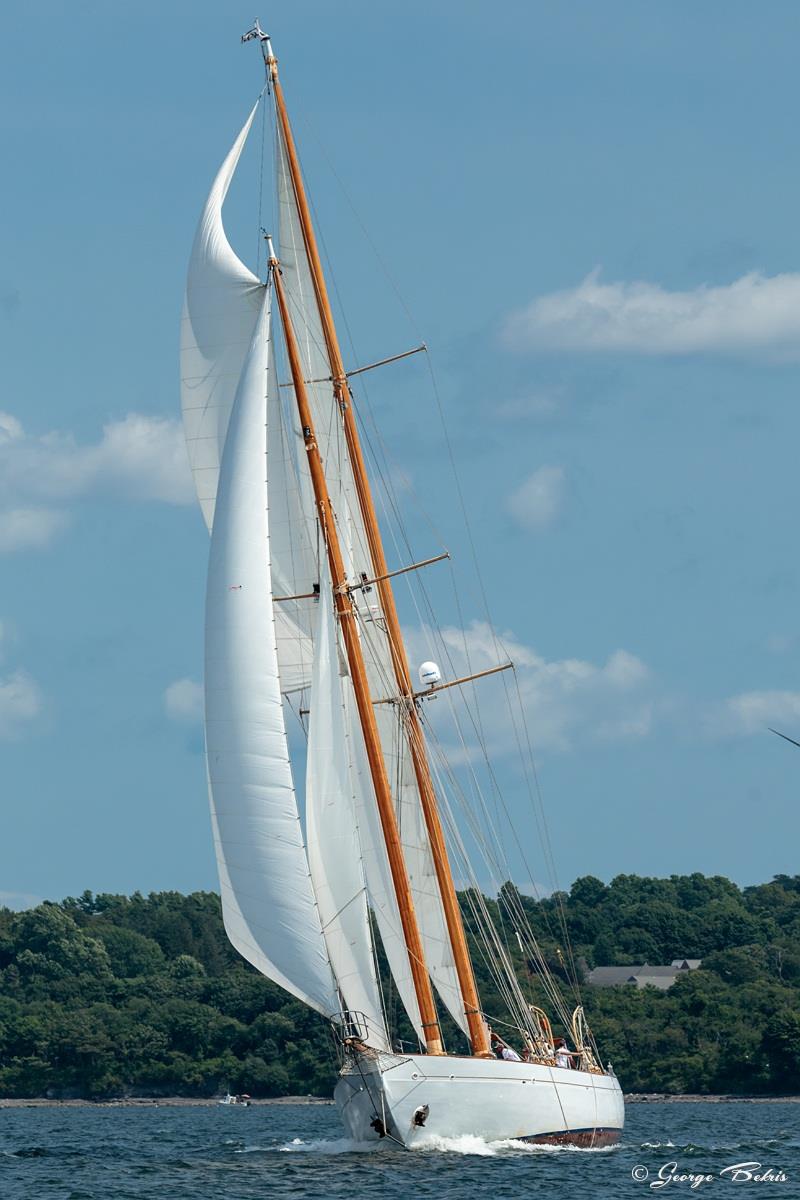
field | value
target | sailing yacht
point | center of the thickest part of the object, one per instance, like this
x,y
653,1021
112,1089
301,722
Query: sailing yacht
x,y
301,617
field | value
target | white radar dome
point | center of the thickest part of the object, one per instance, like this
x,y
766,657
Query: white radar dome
x,y
429,674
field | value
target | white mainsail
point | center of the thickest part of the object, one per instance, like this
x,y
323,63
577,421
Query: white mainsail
x,y
334,848
268,901
298,284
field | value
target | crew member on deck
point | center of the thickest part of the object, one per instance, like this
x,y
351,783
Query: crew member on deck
x,y
503,1050
564,1056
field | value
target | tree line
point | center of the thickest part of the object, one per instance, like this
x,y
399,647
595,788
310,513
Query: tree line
x,y
106,995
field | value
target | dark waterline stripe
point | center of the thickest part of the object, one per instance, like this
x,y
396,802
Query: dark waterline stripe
x,y
587,1138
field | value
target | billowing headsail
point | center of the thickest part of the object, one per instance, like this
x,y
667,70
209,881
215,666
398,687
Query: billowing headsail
x,y
220,307
268,902
334,848
219,313
298,283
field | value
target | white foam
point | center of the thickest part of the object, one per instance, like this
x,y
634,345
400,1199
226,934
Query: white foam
x,y
469,1143
473,1144
328,1146
466,1144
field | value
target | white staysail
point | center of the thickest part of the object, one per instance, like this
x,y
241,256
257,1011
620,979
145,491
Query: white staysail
x,y
382,895
292,540
268,902
298,283
334,849
219,313
419,862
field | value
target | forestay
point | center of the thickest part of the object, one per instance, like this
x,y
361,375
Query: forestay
x,y
268,903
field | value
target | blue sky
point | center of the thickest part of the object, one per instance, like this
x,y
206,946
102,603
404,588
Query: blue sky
x,y
591,213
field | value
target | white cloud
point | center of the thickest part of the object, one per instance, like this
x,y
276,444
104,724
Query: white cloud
x,y
566,700
145,457
536,503
140,457
754,712
21,528
756,313
183,700
10,428
20,703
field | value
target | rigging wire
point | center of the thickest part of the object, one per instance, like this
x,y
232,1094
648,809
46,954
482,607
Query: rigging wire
x,y
260,221
387,494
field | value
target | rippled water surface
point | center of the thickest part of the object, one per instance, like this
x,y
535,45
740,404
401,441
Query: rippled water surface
x,y
198,1153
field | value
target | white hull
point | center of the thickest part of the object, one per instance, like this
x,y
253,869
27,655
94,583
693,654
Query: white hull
x,y
487,1098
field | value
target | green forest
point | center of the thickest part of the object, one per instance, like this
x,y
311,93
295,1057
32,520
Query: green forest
x,y
106,995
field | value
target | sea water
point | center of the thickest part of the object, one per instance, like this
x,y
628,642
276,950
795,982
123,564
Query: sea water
x,y
298,1151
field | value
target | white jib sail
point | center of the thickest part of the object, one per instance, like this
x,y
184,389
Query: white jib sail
x,y
219,313
334,848
268,902
298,282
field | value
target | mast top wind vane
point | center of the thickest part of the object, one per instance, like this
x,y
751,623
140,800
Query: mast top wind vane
x,y
263,39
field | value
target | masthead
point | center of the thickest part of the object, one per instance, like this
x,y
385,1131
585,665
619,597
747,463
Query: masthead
x,y
257,34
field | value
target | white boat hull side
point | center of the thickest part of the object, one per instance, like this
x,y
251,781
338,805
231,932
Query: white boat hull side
x,y
486,1098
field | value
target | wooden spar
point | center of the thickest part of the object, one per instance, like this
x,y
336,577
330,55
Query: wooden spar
x,y
382,362
426,562
346,613
478,1033
440,687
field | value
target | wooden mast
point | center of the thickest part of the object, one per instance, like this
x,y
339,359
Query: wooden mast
x,y
346,613
469,993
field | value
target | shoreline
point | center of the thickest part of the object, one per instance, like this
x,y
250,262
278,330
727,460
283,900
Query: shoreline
x,y
693,1098
195,1102
157,1102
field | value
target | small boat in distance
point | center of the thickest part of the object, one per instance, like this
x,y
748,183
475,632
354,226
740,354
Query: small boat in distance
x,y
301,617
242,1101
